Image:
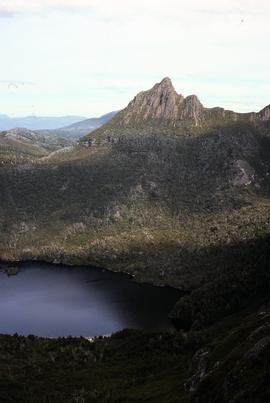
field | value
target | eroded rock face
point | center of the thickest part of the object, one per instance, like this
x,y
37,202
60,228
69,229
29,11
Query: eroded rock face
x,y
162,105
265,113
162,110
160,102
192,109
242,173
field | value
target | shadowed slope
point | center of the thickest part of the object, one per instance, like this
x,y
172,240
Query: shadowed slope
x,y
150,199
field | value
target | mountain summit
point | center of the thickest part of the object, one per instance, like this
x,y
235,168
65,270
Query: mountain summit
x,y
163,108
164,105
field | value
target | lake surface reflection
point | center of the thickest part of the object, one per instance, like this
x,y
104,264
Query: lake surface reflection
x,y
51,300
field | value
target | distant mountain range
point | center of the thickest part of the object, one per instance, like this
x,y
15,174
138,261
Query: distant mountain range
x,y
37,122
71,127
80,129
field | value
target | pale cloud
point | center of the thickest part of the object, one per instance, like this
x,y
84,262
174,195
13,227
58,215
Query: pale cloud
x,y
92,56
169,8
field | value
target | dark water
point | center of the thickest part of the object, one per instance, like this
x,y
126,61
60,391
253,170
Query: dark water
x,y
49,300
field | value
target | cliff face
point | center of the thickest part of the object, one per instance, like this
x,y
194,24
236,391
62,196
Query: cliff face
x,y
162,107
264,114
161,102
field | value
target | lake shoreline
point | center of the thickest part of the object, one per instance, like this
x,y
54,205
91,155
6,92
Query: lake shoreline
x,y
56,300
111,270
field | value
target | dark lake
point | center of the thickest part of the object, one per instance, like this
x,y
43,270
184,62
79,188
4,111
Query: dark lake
x,y
51,300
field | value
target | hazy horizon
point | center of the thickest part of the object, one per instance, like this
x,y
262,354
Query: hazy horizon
x,y
90,57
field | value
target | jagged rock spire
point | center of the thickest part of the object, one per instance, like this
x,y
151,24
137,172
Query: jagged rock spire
x,y
162,103
162,106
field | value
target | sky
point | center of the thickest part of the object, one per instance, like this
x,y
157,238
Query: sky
x,y
90,57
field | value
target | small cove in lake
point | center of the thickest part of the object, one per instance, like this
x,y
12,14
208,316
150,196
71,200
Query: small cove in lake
x,y
52,300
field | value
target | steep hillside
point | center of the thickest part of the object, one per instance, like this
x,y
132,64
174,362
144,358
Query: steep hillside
x,y
228,362
168,190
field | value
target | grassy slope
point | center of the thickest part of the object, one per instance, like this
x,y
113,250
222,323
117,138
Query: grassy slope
x,y
163,208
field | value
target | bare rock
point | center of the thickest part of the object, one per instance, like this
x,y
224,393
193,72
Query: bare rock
x,y
242,174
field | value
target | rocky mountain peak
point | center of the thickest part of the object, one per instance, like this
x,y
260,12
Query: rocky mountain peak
x,y
161,107
265,113
159,103
164,105
192,109
166,84
193,100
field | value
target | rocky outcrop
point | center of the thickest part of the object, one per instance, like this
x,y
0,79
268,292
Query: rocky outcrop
x,y
162,107
264,114
242,174
161,102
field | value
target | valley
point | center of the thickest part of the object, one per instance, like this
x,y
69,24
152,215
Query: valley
x,y
174,194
